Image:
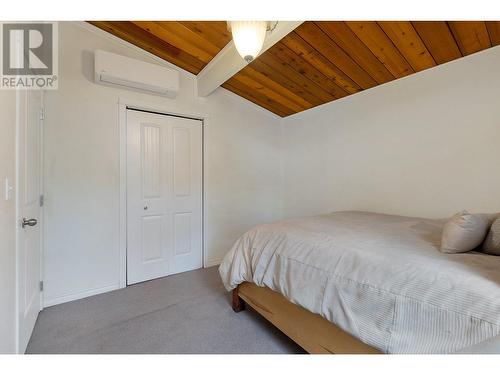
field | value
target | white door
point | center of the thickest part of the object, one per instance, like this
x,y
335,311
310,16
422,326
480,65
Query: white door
x,y
164,195
28,212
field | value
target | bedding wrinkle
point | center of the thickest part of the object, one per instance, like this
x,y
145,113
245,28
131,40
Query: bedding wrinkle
x,y
342,314
270,247
388,346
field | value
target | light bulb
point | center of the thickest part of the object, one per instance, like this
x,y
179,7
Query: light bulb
x,y
248,37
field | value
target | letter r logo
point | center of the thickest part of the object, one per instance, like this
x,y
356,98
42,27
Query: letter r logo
x,y
27,49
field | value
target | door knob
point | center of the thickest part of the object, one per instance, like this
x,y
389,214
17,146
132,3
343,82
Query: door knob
x,y
29,222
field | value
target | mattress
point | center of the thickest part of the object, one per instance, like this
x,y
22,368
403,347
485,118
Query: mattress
x,y
379,277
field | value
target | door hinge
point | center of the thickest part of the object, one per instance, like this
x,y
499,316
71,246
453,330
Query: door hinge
x,y
41,286
42,113
41,200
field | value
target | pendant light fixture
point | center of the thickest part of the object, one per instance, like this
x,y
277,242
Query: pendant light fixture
x,y
248,37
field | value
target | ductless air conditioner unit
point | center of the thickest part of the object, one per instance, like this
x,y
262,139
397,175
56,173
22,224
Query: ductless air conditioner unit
x,y
116,70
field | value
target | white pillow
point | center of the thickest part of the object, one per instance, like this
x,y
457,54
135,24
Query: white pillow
x,y
490,217
464,232
491,244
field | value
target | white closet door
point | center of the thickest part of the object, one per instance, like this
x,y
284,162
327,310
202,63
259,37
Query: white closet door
x,y
164,195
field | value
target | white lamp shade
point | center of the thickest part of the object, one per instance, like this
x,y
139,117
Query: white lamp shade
x,y
248,37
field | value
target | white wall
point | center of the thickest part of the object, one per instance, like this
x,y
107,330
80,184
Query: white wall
x,y
426,145
7,223
82,166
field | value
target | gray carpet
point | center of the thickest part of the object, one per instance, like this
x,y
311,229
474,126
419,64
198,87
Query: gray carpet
x,y
185,313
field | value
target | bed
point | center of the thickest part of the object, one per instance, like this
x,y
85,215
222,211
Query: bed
x,y
360,282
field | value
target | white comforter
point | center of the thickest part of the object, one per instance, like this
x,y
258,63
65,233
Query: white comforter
x,y
379,277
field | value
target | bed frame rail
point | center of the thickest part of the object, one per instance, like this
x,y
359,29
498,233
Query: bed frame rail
x,y
311,331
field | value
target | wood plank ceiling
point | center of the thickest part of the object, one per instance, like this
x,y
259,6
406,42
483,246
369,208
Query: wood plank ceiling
x,y
319,61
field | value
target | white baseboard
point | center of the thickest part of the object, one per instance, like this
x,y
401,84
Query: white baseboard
x,y
212,262
80,295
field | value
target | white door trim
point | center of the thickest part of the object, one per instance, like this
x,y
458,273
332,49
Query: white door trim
x,y
169,110
42,193
16,190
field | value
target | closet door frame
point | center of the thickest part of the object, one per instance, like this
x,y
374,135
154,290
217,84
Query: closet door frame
x,y
169,110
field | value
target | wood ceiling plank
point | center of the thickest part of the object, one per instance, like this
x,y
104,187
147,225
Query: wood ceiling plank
x,y
341,34
283,53
181,37
370,33
210,31
494,32
313,35
189,37
471,36
438,39
267,89
221,27
306,84
240,89
409,44
270,81
321,63
283,80
142,39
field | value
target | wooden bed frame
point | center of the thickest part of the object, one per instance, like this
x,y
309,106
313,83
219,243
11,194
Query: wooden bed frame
x,y
311,331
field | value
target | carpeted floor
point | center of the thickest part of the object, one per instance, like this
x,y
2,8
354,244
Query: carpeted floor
x,y
185,313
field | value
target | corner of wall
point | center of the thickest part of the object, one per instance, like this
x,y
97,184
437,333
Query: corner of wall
x,y
282,153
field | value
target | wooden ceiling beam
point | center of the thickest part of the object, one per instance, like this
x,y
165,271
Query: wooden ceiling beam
x,y
228,61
